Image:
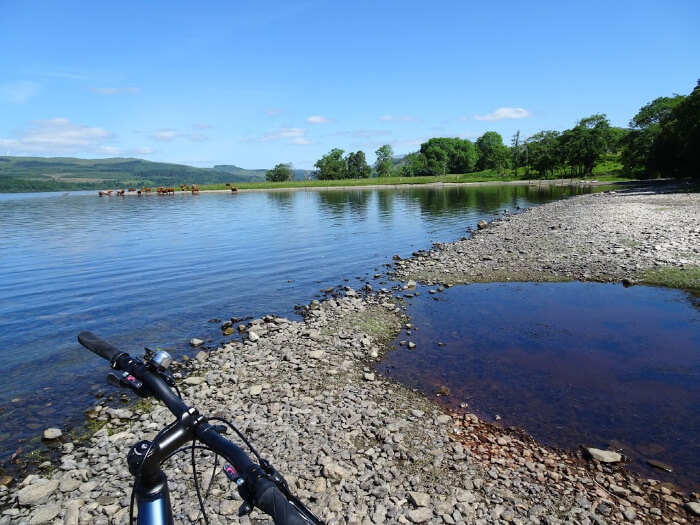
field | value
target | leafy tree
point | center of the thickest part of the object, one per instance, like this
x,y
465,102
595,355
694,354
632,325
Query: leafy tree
x,y
435,156
544,152
332,166
515,151
279,173
642,148
687,131
493,154
385,162
413,165
357,167
448,155
585,143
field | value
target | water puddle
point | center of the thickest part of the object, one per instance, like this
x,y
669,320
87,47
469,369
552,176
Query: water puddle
x,y
571,363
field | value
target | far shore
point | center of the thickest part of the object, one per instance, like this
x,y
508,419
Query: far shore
x,y
399,185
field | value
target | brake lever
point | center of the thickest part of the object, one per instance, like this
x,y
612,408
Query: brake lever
x,y
126,380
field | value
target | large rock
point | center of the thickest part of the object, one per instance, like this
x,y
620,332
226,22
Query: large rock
x,y
604,456
37,492
45,514
52,433
419,515
334,472
419,499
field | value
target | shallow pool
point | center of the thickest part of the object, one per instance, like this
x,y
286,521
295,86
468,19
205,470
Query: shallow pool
x,y
571,363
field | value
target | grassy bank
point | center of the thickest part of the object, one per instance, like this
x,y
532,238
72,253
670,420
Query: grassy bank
x,y
482,176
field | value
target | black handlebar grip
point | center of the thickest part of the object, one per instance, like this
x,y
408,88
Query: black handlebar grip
x,y
271,501
98,346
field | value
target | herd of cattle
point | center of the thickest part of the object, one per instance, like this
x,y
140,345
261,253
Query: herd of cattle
x,y
194,188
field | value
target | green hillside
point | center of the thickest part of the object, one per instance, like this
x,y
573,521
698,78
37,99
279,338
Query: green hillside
x,y
20,174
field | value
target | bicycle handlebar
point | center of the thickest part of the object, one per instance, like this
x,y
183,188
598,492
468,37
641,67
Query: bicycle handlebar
x,y
98,346
265,493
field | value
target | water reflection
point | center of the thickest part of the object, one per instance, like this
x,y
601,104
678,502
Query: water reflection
x,y
571,363
339,202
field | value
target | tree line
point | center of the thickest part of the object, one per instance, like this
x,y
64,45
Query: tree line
x,y
663,139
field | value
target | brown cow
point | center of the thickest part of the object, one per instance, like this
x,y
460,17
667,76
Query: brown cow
x,y
195,189
121,192
234,189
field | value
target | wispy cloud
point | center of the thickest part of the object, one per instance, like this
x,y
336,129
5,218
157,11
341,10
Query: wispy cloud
x,y
168,135
18,92
318,119
401,118
409,142
505,113
109,150
116,91
293,136
143,150
367,133
57,136
273,111
55,73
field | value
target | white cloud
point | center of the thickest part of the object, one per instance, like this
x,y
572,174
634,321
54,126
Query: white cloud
x,y
294,136
109,150
166,135
116,91
505,113
274,111
318,119
371,133
18,92
401,118
408,142
143,150
57,136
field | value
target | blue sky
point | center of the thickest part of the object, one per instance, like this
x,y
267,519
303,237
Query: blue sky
x,y
259,83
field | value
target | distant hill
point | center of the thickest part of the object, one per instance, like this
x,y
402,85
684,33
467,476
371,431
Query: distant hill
x,y
19,174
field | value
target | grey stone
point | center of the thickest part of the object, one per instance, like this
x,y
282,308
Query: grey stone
x,y
44,514
419,515
604,456
52,433
37,493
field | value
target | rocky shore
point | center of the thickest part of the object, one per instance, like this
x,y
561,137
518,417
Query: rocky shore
x,y
362,449
633,236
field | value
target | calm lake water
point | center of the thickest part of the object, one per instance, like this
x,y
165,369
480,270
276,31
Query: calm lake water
x,y
572,363
153,271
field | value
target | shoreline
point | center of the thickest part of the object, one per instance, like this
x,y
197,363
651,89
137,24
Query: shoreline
x,y
438,184
364,447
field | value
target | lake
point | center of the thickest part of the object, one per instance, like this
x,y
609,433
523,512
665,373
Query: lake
x,y
153,271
